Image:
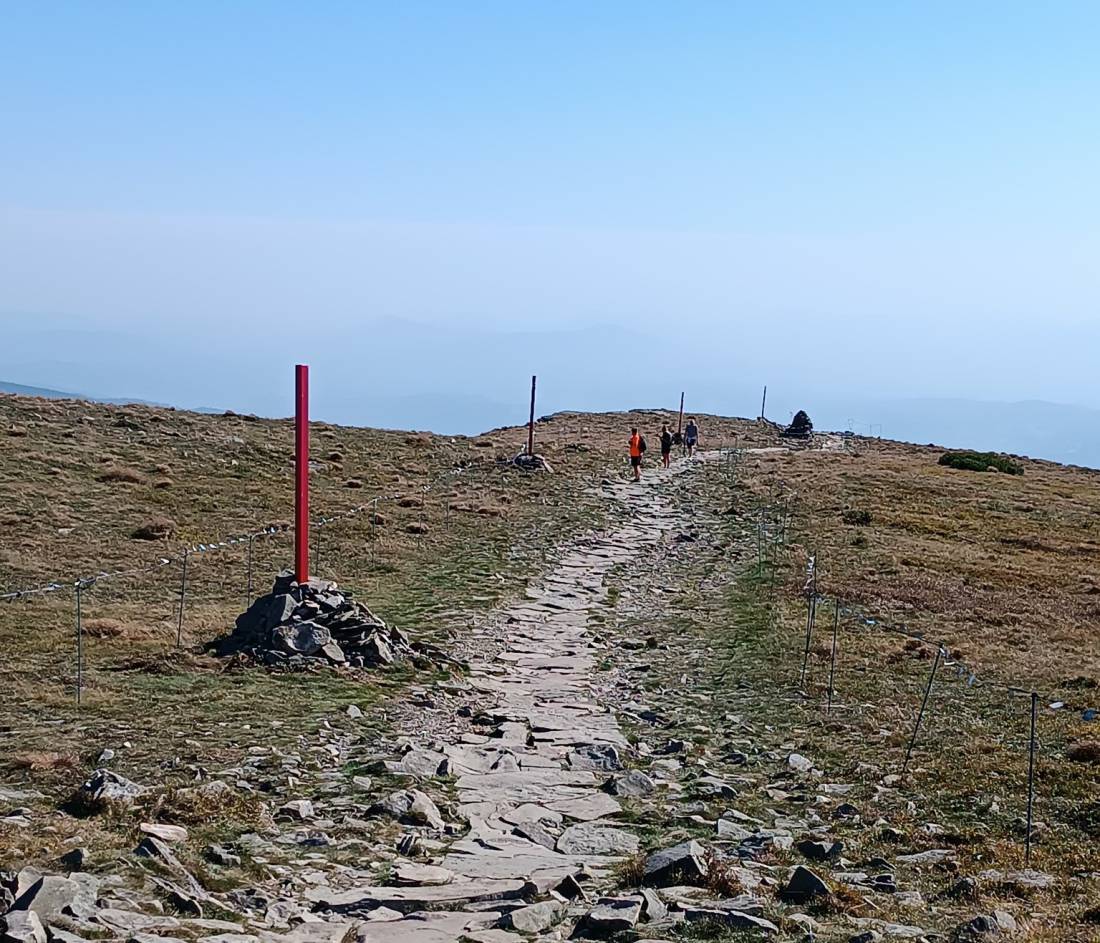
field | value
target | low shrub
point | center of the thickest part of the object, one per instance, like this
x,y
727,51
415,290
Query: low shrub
x,y
981,461
157,528
127,476
857,517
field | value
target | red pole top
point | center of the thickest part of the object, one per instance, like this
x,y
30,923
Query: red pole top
x,y
301,473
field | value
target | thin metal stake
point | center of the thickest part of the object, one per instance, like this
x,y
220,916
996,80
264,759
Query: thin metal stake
x,y
1031,778
248,588
183,600
811,619
832,663
920,714
79,645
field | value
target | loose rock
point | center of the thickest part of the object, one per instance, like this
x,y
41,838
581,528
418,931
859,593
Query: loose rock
x,y
681,864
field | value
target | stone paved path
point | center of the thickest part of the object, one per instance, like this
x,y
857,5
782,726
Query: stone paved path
x,y
537,788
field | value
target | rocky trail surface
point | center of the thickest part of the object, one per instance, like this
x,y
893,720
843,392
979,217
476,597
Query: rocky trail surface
x,y
536,797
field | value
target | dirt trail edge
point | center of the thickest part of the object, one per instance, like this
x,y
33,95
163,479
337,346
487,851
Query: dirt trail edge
x,y
538,786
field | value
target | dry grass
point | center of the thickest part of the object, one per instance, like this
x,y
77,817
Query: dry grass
x,y
630,871
1088,751
127,476
43,761
117,629
157,528
1004,569
234,475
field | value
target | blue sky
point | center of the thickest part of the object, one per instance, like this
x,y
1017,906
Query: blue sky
x,y
911,185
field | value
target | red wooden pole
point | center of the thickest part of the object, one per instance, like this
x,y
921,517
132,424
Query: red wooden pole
x,y
301,473
531,422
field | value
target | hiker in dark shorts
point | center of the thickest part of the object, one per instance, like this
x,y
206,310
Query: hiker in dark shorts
x,y
666,446
637,450
691,436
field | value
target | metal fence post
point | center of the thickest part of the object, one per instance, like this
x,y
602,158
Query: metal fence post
x,y
920,713
1031,778
811,619
79,644
832,660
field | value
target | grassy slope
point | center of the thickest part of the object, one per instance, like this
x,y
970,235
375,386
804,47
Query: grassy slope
x,y
1004,569
488,528
732,642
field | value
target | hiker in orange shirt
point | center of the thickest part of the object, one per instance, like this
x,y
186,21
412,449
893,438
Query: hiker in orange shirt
x,y
637,450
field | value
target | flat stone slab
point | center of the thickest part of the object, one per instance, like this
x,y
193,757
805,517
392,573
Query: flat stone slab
x,y
443,927
527,785
411,899
411,872
589,839
587,808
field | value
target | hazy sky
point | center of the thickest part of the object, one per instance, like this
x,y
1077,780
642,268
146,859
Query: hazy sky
x,y
882,199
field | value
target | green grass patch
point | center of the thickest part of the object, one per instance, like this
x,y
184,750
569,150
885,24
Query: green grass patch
x,y
981,462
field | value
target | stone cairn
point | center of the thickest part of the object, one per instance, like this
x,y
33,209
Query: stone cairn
x,y
299,624
531,463
800,428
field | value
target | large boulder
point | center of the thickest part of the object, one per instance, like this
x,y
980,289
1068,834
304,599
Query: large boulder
x,y
105,786
681,864
803,886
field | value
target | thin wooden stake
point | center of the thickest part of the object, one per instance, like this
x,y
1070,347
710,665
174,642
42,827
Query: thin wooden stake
x,y
920,713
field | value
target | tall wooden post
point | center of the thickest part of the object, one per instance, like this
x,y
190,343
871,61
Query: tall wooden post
x,y
531,422
680,422
764,401
301,473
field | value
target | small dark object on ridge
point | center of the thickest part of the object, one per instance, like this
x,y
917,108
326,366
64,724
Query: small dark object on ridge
x,y
800,428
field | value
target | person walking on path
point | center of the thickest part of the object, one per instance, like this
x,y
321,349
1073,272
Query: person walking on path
x,y
691,436
637,450
666,446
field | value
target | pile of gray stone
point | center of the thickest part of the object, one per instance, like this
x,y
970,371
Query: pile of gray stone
x,y
299,624
801,427
533,463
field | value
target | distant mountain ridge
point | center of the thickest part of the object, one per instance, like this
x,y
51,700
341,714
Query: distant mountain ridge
x,y
1031,428
18,389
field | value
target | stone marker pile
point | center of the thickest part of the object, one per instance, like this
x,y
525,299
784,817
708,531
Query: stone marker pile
x,y
533,463
301,623
800,428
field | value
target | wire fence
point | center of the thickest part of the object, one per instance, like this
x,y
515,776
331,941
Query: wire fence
x,y
225,581
772,523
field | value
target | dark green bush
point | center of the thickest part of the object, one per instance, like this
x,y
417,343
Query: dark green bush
x,y
981,461
857,517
